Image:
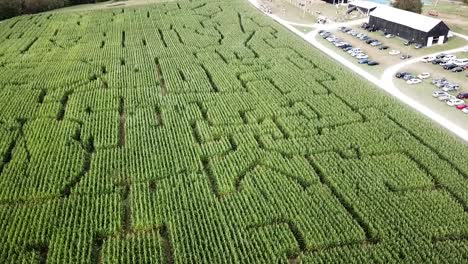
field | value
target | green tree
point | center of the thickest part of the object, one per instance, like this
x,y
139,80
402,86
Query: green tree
x,y
9,8
34,6
409,5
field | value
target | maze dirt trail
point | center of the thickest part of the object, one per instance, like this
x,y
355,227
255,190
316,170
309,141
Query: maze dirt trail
x,y
201,132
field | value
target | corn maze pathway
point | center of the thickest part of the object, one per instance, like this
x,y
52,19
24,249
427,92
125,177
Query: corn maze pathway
x,y
201,132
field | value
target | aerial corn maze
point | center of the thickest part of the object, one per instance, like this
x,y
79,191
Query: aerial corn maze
x,y
203,132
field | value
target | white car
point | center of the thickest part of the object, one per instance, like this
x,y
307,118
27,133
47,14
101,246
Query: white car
x,y
450,87
449,57
394,52
465,110
355,54
461,62
446,97
413,81
354,50
389,36
362,56
424,75
447,63
455,102
428,59
465,49
439,93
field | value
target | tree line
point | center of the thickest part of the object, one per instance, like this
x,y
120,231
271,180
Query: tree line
x,y
11,8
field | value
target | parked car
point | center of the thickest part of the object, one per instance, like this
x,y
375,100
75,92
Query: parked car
x,y
428,59
394,52
407,43
450,87
449,66
465,110
461,62
363,37
465,49
458,69
461,106
369,41
455,102
462,95
372,63
389,36
408,77
363,61
362,56
418,46
414,81
424,75
437,61
445,97
383,47
449,57
401,74
376,43
447,63
438,93
405,56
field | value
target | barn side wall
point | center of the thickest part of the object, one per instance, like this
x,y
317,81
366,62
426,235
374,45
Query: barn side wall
x,y
399,30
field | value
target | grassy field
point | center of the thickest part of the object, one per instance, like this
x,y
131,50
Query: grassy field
x,y
453,13
203,132
288,11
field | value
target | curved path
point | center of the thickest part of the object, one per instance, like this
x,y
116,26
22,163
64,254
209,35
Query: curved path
x,y
385,82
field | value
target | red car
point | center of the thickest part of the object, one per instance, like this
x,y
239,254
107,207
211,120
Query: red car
x,y
462,106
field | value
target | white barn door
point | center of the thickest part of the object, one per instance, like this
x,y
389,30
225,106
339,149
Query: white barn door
x,y
441,40
429,41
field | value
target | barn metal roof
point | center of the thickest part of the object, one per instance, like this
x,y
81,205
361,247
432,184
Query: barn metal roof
x,y
406,18
364,4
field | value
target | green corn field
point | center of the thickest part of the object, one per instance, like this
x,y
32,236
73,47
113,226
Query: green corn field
x,y
200,131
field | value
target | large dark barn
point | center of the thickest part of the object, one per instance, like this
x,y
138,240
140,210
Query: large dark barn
x,y
417,28
336,2
364,7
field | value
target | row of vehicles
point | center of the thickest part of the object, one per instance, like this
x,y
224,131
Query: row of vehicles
x,y
448,62
412,79
443,94
367,27
355,52
451,100
374,42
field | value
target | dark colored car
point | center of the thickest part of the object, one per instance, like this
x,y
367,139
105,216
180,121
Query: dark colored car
x,y
407,43
384,47
363,61
369,41
401,74
372,63
405,56
450,66
458,69
462,96
437,61
408,77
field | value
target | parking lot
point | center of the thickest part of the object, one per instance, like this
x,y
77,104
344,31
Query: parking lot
x,y
439,87
388,50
